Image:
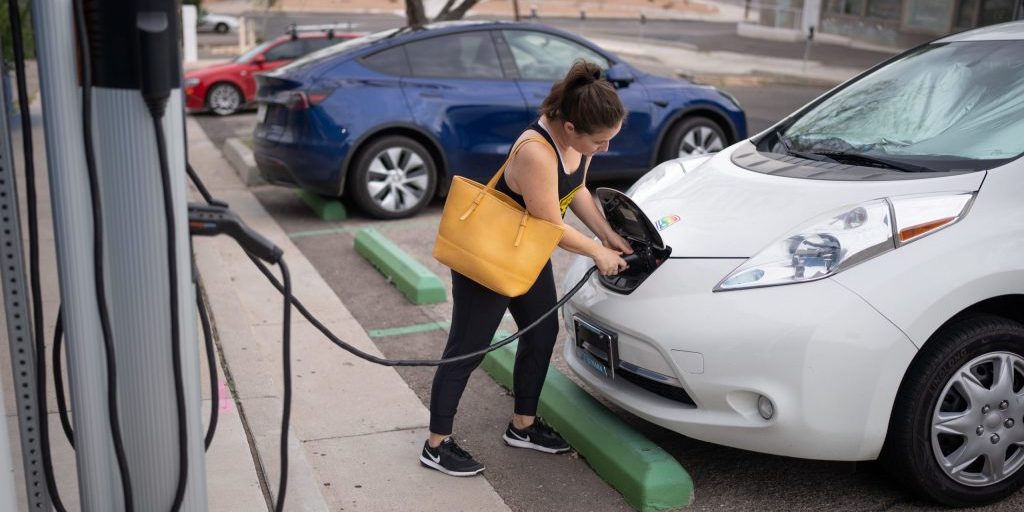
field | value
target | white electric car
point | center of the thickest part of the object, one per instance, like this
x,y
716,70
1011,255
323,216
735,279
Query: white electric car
x,y
847,285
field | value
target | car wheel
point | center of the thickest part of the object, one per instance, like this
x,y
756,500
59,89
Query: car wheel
x,y
393,177
223,99
957,429
221,28
692,136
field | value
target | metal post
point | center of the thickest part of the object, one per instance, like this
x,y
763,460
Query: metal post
x,y
7,497
807,47
19,334
135,242
515,9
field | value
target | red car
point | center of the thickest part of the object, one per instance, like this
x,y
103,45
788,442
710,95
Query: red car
x,y
225,88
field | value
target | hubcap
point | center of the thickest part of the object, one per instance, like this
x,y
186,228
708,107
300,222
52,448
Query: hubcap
x,y
224,100
975,434
700,140
397,179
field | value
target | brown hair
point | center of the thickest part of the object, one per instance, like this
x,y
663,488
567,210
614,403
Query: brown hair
x,y
585,99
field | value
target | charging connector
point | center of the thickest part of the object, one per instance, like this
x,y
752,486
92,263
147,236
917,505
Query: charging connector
x,y
212,220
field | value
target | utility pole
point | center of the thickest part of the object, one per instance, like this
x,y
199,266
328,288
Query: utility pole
x,y
136,249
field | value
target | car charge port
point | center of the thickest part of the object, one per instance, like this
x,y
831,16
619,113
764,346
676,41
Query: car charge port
x,y
649,252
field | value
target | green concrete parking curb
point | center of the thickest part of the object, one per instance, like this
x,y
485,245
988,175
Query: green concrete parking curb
x,y
326,208
647,476
419,284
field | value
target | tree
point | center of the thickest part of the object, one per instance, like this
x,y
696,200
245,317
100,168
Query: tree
x,y
417,17
7,33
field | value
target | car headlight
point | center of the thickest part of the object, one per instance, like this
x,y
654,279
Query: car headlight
x,y
191,82
664,174
844,238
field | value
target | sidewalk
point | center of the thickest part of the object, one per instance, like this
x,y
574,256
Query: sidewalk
x,y
667,58
685,9
719,57
356,428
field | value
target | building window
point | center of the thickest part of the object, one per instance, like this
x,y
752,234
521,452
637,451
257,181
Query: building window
x,y
884,9
965,14
928,16
847,7
995,11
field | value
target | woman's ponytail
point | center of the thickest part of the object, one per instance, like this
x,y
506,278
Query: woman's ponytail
x,y
585,99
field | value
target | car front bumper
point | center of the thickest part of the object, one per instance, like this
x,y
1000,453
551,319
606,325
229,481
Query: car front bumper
x,y
830,364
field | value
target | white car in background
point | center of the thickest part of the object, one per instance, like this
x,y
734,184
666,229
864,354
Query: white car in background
x,y
847,285
219,23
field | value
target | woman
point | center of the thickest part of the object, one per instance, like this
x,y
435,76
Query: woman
x,y
579,117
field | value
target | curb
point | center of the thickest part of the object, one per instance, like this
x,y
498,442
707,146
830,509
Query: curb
x,y
416,282
240,157
329,209
647,477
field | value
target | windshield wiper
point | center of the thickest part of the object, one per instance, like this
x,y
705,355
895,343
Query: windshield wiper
x,y
787,146
873,161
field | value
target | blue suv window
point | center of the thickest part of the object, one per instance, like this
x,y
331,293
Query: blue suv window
x,y
541,56
391,61
466,55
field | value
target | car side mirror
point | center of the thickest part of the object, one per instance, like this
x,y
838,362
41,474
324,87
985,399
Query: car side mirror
x,y
620,75
259,60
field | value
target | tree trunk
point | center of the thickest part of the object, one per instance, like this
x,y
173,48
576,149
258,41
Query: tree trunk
x,y
447,13
414,13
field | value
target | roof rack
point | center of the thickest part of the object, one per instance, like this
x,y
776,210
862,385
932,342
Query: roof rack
x,y
294,30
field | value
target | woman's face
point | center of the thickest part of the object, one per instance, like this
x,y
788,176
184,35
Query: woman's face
x,y
590,144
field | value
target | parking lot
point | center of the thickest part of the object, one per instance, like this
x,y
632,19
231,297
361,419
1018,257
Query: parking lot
x,y
724,478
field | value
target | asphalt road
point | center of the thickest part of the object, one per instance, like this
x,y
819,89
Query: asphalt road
x,y
724,478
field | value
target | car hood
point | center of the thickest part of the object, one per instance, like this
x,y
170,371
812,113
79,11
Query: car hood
x,y
216,69
719,209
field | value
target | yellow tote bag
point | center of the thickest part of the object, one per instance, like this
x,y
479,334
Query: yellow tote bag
x,y
488,237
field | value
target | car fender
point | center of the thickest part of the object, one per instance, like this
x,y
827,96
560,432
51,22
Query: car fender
x,y
922,285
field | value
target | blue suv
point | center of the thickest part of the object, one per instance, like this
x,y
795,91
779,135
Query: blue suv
x,y
386,118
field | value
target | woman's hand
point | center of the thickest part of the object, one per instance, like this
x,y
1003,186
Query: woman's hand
x,y
609,262
613,241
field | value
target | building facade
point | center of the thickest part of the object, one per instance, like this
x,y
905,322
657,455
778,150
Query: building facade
x,y
892,23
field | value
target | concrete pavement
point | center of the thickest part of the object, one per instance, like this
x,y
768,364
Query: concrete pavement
x,y
356,427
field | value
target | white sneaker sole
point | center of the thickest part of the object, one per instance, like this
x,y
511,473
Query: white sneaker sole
x,y
526,444
433,465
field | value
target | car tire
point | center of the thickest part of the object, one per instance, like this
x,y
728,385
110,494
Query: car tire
x,y
221,28
393,177
691,136
224,99
950,413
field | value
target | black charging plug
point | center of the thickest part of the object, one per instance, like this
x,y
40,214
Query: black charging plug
x,y
212,220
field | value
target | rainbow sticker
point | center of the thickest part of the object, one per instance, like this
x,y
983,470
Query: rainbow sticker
x,y
666,221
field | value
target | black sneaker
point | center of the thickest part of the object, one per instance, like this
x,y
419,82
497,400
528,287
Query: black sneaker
x,y
538,437
450,459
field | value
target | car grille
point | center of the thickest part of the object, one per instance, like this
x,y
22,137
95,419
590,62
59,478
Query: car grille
x,y
670,392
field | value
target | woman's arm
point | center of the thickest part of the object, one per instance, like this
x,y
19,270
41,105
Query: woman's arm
x,y
585,208
530,172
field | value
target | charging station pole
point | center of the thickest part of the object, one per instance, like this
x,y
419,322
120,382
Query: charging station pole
x,y
135,242
19,336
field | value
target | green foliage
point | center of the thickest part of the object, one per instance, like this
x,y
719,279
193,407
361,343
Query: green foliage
x,y
6,33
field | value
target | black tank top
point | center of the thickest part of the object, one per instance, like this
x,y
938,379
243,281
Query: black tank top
x,y
568,184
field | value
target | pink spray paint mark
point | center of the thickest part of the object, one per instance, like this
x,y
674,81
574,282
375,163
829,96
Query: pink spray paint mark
x,y
225,397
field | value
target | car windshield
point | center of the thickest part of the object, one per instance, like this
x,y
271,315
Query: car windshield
x,y
947,106
247,56
347,46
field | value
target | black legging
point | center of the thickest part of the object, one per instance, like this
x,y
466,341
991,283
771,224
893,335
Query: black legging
x,y
476,316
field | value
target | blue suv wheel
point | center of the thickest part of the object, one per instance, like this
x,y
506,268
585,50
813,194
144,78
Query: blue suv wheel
x,y
393,177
